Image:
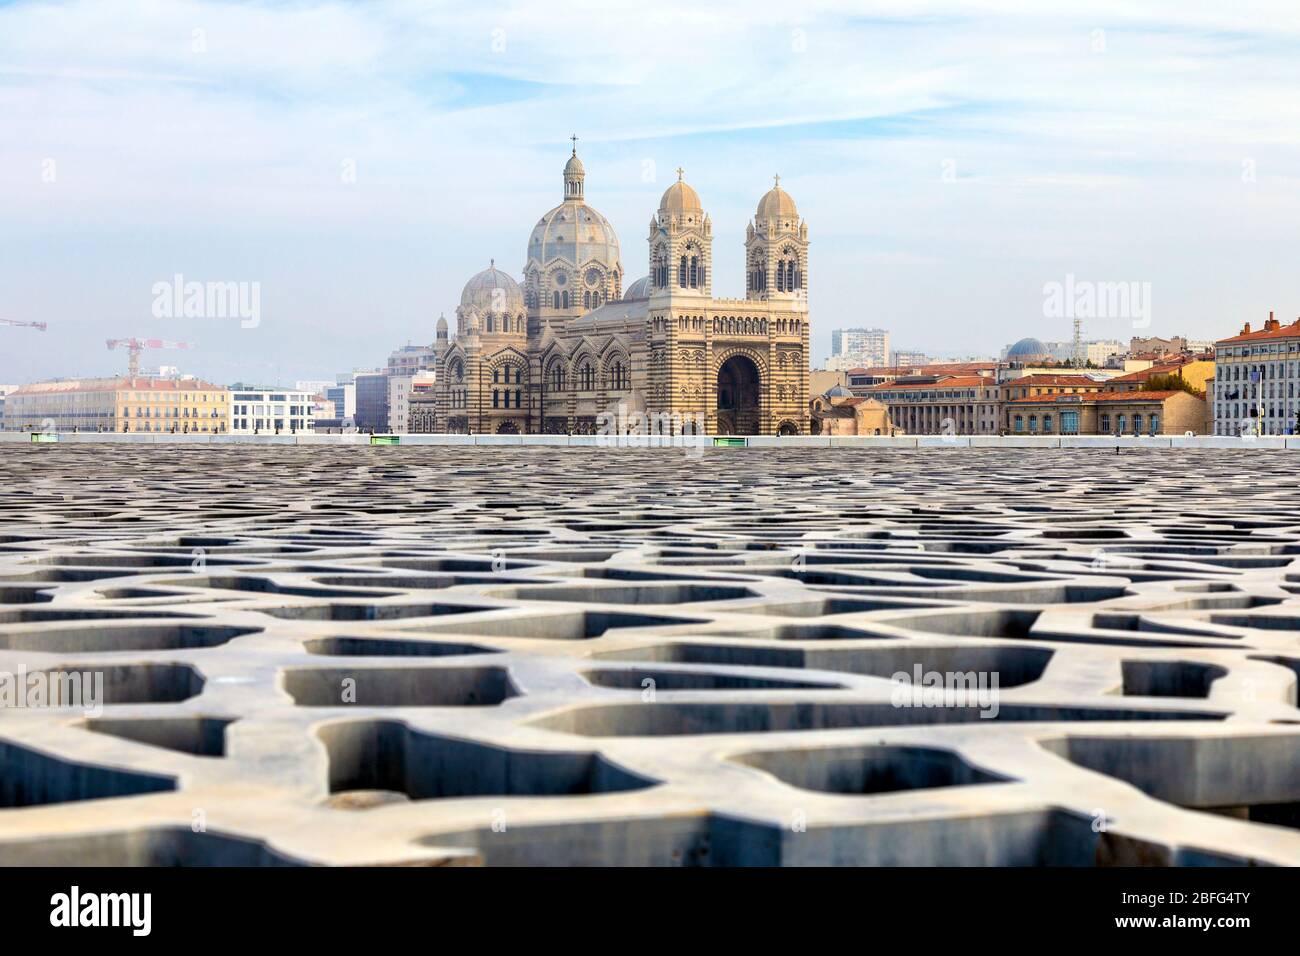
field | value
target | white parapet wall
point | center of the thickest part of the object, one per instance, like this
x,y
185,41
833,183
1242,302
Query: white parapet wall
x,y
1247,443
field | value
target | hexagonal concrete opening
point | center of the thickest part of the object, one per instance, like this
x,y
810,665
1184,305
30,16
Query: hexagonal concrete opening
x,y
868,769
666,719
130,683
398,686
392,647
638,594
1169,678
564,626
200,736
1254,777
382,755
107,638
342,611
640,679
148,846
31,777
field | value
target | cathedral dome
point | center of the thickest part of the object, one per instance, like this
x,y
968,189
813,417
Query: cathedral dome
x,y
640,289
573,231
680,199
776,204
492,291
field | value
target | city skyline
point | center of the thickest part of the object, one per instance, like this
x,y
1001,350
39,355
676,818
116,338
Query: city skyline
x,y
955,158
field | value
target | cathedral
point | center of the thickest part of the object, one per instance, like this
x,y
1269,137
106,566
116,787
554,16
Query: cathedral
x,y
570,349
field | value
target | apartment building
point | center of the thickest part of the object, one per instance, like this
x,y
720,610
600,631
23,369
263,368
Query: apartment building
x,y
179,405
1256,377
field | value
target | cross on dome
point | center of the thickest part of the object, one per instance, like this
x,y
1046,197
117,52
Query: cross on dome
x,y
679,173
574,137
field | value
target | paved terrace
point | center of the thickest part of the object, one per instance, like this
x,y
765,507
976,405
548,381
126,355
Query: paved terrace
x,y
459,655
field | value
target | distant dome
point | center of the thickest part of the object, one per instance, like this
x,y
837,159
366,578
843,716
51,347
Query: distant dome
x,y
1028,348
442,323
838,391
776,204
640,289
680,199
492,291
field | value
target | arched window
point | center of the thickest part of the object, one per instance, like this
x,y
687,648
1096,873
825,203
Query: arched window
x,y
681,273
557,377
695,272
556,300
564,297
586,377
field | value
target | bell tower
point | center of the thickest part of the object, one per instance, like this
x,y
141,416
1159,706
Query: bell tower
x,y
776,250
681,244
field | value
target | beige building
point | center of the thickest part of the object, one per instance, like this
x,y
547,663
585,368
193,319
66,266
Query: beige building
x,y
840,412
1108,413
120,405
940,404
568,346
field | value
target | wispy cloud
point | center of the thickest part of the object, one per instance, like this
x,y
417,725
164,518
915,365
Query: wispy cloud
x,y
950,157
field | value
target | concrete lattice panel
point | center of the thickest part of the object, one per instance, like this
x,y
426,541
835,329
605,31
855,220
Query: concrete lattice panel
x,y
597,656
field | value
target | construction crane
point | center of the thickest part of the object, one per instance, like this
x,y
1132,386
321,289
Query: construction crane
x,y
135,346
39,326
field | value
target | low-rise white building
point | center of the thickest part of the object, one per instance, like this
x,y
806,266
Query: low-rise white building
x,y
270,411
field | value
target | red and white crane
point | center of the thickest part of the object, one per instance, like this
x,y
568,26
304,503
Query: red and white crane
x,y
135,346
39,326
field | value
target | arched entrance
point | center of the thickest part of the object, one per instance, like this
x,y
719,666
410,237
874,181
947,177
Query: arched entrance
x,y
739,411
787,427
508,427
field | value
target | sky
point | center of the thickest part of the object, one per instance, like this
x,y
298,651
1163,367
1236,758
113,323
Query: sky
x,y
356,162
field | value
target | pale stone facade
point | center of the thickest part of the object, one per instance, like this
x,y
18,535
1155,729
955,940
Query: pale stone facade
x,y
568,344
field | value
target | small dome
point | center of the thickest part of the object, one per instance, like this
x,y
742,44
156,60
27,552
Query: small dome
x,y
492,291
776,204
680,199
838,391
640,289
1028,348
442,324
573,168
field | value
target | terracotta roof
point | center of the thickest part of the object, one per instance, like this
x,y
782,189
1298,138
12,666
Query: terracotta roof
x,y
1280,332
1143,374
1077,380
956,381
118,385
1094,397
